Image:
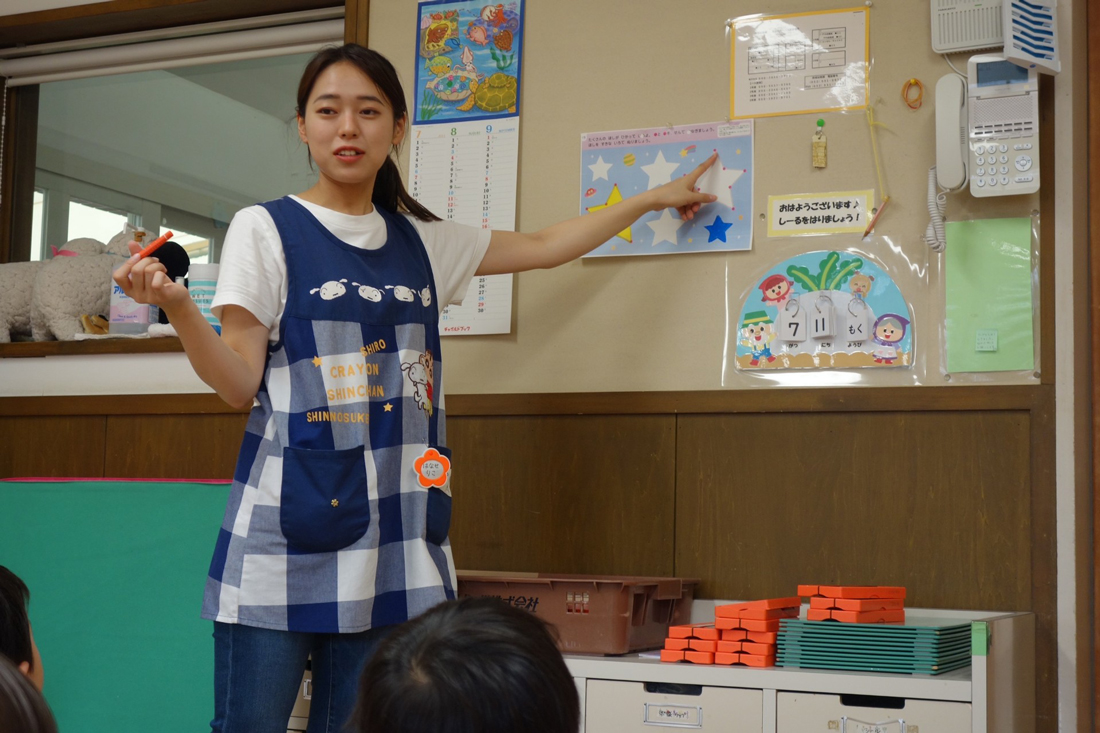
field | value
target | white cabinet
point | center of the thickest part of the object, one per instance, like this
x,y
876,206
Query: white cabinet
x,y
996,694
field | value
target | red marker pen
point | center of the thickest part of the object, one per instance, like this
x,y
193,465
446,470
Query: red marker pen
x,y
154,245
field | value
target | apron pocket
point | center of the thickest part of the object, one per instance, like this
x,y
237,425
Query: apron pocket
x,y
439,516
433,470
325,502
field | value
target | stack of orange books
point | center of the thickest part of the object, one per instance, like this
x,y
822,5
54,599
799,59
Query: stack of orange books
x,y
855,604
742,633
696,643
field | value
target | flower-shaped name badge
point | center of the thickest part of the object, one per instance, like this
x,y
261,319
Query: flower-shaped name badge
x,y
433,469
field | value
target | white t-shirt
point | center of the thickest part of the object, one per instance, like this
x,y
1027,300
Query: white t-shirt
x,y
253,265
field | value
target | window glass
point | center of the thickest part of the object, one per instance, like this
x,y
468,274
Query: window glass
x,y
94,222
197,247
182,149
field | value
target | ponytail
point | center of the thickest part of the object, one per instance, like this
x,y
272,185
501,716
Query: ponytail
x,y
390,193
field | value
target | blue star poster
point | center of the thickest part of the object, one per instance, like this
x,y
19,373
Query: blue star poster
x,y
619,164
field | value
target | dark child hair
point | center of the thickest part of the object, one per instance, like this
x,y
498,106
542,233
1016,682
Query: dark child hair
x,y
475,665
22,707
389,191
15,629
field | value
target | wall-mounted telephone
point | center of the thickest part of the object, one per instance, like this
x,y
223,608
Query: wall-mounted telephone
x,y
987,128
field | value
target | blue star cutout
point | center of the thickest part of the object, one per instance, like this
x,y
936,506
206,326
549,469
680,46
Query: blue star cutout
x,y
717,229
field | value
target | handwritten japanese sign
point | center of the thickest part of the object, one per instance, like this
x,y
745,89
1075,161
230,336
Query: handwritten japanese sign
x,y
822,213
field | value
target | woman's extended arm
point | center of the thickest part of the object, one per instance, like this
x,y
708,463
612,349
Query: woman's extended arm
x,y
560,243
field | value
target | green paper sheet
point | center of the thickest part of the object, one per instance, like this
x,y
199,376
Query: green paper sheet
x,y
116,571
988,288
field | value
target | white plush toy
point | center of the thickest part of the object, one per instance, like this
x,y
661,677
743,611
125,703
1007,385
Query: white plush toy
x,y
67,287
17,286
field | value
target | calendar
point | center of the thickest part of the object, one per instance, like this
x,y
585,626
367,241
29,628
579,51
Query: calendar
x,y
466,172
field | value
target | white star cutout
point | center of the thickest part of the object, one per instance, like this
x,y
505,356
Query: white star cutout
x,y
660,171
718,181
599,169
665,228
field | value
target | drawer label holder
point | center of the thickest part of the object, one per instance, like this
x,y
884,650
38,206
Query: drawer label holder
x,y
851,725
672,716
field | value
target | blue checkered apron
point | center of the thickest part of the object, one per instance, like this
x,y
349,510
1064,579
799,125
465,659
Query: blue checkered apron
x,y
340,508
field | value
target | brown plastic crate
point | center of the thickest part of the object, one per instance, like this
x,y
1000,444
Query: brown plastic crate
x,y
594,614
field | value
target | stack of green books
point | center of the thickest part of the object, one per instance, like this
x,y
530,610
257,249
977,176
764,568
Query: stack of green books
x,y
920,646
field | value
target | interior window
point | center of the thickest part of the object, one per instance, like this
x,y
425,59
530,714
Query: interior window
x,y
181,149
90,221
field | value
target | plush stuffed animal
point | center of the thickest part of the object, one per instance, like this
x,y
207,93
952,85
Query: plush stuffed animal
x,y
17,286
65,288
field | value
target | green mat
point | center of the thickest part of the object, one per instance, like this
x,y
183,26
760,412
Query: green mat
x,y
116,571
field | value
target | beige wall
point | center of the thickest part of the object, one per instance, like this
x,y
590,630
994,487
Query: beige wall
x,y
651,323
659,323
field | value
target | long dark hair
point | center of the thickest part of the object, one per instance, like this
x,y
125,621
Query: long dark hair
x,y
15,630
475,665
389,191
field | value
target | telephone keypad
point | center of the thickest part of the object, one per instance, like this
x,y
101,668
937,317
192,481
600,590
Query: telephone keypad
x,y
998,169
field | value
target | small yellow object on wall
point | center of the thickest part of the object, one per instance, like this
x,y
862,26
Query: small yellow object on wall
x,y
820,153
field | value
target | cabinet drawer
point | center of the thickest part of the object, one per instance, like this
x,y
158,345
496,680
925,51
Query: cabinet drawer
x,y
611,707
799,712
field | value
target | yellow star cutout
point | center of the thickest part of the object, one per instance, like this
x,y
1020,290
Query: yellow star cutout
x,y
388,407
335,503
317,361
613,199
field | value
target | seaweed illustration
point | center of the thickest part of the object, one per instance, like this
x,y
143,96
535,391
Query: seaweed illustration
x,y
430,105
503,60
832,272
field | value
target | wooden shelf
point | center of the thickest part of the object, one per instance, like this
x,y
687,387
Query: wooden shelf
x,y
159,345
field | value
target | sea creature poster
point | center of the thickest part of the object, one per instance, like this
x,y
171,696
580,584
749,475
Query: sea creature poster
x,y
824,310
468,61
616,165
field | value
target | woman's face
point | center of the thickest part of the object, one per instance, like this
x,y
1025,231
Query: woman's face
x,y
349,125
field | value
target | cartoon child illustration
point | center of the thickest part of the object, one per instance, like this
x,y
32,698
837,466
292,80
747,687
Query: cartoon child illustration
x,y
777,288
860,284
889,330
757,335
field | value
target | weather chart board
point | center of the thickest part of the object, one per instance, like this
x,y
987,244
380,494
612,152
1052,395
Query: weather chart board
x,y
464,150
616,165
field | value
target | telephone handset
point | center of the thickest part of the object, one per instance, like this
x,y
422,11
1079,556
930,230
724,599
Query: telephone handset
x,y
951,137
987,128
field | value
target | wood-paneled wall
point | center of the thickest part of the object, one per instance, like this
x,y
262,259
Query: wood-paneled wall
x,y
750,493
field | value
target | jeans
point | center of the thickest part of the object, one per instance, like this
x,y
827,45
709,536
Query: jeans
x,y
257,673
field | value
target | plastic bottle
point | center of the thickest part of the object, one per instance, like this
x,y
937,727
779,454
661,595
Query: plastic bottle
x,y
202,281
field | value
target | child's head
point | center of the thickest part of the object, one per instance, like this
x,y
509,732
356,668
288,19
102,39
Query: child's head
x,y
22,707
16,641
476,664
359,78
